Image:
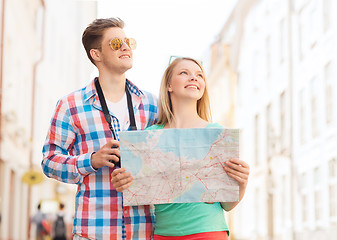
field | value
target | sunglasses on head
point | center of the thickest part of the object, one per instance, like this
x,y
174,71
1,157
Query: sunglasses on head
x,y
172,58
117,43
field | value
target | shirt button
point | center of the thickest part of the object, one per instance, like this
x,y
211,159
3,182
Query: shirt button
x,y
125,211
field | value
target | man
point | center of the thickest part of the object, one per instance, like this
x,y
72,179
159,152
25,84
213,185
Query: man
x,y
42,225
60,229
80,148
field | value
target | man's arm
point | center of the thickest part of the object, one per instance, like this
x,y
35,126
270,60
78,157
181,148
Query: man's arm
x,y
57,163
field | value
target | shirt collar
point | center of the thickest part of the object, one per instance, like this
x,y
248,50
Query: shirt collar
x,y
90,90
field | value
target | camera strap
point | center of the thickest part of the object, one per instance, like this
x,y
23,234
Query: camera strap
x,y
106,110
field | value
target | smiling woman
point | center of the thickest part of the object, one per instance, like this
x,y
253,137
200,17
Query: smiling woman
x,y
183,103
183,74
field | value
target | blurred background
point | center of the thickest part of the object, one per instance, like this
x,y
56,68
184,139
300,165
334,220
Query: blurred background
x,y
272,72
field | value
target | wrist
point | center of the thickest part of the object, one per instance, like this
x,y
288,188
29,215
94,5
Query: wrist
x,y
92,161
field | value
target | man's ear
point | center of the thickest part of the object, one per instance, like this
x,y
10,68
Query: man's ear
x,y
95,54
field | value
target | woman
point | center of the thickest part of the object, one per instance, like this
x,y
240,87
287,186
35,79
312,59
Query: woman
x,y
184,103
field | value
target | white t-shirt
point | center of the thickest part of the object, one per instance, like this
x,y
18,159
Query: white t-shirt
x,y
119,109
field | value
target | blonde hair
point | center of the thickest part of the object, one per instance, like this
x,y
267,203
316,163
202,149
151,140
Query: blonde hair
x,y
165,104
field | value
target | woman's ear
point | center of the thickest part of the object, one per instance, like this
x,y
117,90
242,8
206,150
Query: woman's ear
x,y
169,88
95,54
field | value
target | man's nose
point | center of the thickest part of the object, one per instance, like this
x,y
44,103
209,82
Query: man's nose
x,y
125,46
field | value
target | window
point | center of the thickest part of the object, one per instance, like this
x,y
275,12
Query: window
x,y
304,197
326,15
333,168
333,188
333,200
302,117
302,32
257,208
329,104
269,131
284,197
305,208
308,28
313,28
283,121
303,181
257,70
257,139
300,40
317,194
314,107
282,40
268,59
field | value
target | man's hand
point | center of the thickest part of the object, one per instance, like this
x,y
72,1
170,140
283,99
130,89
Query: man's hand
x,y
103,156
120,179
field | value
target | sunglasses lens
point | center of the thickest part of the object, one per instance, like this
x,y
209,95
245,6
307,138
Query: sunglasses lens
x,y
131,43
116,43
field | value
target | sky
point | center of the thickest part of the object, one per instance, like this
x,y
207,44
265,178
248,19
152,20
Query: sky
x,y
165,28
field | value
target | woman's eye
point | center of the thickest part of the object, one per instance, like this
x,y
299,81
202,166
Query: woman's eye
x,y
183,72
200,75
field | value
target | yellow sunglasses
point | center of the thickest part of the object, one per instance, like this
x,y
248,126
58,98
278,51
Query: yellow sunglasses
x,y
117,43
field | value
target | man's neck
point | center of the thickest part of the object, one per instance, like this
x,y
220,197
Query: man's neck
x,y
113,87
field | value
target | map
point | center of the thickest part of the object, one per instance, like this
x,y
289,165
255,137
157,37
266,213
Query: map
x,y
179,165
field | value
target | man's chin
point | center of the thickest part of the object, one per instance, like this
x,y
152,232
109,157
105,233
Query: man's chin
x,y
126,68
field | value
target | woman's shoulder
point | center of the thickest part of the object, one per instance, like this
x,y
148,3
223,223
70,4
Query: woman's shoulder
x,y
155,127
214,125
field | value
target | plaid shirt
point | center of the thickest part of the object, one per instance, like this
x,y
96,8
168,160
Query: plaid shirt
x,y
78,128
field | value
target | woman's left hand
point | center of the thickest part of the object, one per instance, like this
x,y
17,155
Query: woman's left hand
x,y
239,170
121,179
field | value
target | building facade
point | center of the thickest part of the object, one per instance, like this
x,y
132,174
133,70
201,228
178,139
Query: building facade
x,y
280,76
21,48
42,60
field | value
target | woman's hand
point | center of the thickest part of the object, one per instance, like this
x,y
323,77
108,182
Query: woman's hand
x,y
239,170
120,179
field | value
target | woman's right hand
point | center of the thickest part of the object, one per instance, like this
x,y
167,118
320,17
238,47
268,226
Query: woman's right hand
x,y
120,179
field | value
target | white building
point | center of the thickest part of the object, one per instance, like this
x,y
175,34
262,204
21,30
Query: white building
x,y
21,48
43,59
278,70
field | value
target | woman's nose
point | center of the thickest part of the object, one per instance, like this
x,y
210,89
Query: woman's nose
x,y
193,78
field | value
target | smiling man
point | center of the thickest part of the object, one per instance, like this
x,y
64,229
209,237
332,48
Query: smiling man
x,y
82,141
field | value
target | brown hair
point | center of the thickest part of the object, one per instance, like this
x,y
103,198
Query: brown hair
x,y
92,35
165,104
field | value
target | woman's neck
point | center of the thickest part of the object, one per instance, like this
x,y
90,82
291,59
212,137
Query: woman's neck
x,y
186,116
